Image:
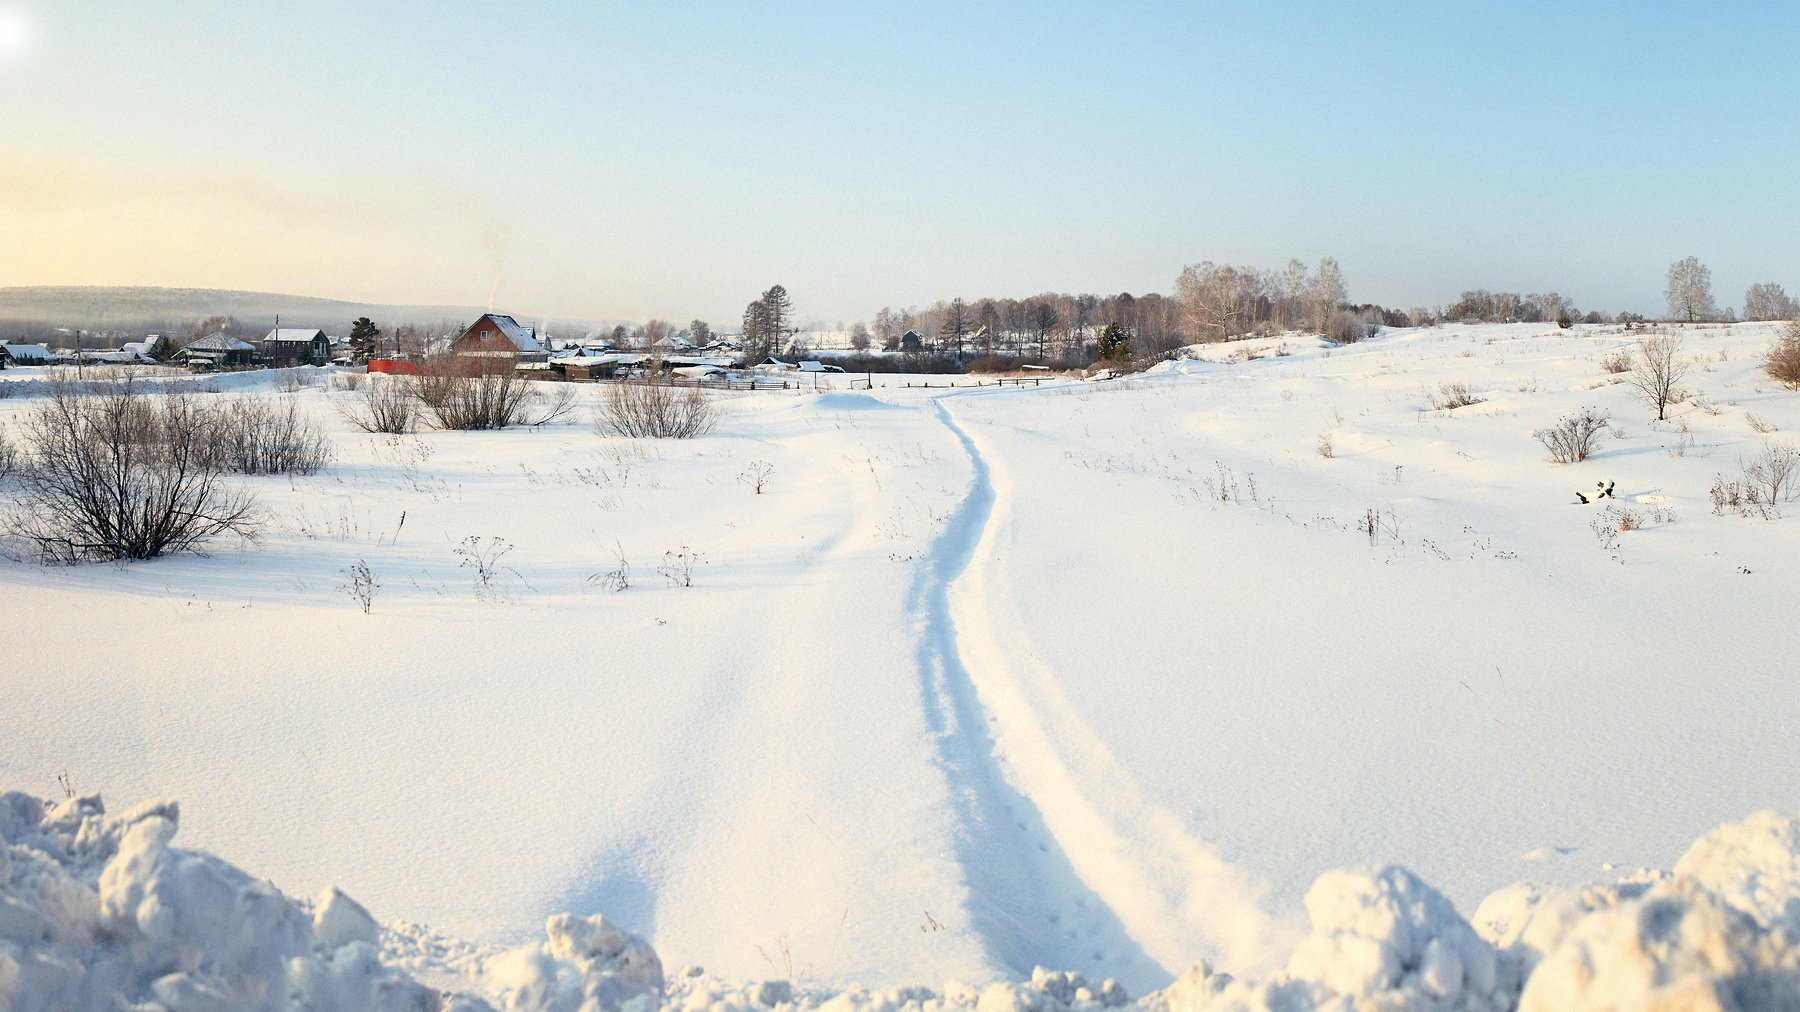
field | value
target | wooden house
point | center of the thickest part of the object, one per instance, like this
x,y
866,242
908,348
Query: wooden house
x,y
288,347
498,337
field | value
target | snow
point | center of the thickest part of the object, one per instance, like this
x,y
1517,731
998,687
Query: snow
x,y
100,911
1097,676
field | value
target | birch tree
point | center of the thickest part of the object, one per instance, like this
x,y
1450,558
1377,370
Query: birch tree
x,y
1690,290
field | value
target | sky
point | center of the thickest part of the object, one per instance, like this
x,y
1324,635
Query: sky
x,y
627,160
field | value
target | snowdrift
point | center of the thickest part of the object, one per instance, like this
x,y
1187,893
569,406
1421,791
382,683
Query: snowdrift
x,y
100,912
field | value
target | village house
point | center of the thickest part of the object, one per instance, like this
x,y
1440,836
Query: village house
x,y
218,351
288,347
494,336
25,354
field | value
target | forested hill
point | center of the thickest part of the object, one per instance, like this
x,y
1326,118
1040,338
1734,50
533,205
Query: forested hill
x,y
35,313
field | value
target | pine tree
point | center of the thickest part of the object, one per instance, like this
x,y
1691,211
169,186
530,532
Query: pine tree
x,y
364,338
1114,344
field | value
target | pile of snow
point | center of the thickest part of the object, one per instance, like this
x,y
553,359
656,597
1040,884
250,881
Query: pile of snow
x,y
100,912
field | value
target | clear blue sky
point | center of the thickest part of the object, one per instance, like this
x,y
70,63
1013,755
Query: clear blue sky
x,y
627,160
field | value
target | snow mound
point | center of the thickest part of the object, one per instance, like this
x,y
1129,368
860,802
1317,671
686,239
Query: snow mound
x,y
101,912
1380,939
854,402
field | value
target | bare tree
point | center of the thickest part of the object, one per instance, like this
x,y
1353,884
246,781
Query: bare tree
x,y
1767,301
1659,368
1690,290
1774,471
759,338
954,328
1325,293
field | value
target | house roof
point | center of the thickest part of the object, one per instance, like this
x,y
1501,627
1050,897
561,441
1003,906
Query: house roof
x,y
220,342
294,334
522,338
27,352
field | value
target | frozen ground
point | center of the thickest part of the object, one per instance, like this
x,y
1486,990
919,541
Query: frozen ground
x,y
1098,676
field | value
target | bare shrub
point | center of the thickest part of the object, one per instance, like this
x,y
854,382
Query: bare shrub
x,y
388,405
756,475
678,566
1451,396
9,457
482,556
465,393
1739,497
655,410
1782,360
1575,437
111,474
619,577
1774,471
1618,361
254,436
360,583
1326,446
1660,368
1759,425
349,380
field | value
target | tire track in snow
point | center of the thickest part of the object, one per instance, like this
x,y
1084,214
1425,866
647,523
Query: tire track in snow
x,y
1171,897
1026,901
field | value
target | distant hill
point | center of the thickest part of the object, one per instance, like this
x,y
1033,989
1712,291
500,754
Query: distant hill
x,y
35,313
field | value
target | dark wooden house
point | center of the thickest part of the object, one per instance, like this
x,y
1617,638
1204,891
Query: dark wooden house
x,y
288,347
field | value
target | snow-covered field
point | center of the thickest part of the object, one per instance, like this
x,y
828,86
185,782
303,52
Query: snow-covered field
x,y
1095,675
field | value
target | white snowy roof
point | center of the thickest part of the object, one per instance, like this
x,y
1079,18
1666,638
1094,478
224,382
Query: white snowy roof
x,y
522,338
220,342
294,334
27,352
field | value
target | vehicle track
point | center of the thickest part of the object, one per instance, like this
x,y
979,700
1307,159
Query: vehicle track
x,y
1062,840
1026,900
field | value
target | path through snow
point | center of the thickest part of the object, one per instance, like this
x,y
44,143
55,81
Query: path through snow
x,y
1070,865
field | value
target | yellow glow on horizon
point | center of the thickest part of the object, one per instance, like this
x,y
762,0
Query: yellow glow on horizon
x,y
15,34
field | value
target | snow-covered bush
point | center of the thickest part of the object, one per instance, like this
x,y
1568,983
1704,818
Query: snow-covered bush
x,y
109,473
1575,437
